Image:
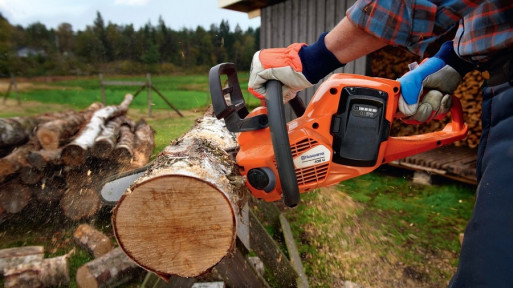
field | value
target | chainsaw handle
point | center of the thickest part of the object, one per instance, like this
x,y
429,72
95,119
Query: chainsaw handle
x,y
281,144
401,147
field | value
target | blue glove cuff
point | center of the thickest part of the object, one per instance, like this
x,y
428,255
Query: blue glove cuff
x,y
317,60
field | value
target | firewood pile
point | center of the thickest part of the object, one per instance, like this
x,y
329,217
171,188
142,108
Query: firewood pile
x,y
392,63
64,157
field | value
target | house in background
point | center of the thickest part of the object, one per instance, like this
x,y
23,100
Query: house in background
x,y
283,22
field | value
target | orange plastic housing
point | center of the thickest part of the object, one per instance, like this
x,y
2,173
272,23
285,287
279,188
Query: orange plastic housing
x,y
313,130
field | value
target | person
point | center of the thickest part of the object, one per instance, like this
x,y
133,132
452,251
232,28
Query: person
x,y
484,41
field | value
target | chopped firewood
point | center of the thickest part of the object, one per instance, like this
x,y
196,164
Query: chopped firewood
x,y
93,240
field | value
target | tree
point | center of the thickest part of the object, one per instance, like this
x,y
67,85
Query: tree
x,y
65,38
5,46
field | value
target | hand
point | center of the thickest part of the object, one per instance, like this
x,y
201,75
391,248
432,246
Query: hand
x,y
426,90
282,64
297,67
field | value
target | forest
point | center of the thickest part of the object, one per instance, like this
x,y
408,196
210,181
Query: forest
x,y
102,47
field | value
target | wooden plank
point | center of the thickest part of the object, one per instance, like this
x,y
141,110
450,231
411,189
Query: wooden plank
x,y
237,272
295,259
266,248
123,83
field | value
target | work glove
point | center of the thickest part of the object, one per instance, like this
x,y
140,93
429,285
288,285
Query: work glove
x,y
297,67
427,89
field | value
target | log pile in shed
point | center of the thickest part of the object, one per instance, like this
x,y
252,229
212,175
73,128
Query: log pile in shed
x,y
63,157
392,63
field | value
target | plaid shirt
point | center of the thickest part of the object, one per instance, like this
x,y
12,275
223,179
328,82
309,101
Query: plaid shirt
x,y
484,26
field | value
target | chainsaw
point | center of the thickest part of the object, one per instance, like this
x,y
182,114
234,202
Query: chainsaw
x,y
344,132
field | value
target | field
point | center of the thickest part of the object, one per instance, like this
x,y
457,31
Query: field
x,y
378,230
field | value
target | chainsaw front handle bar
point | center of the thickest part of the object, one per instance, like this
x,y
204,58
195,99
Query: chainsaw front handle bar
x,y
281,144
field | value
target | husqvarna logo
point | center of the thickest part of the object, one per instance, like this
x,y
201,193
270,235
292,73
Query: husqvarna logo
x,y
317,155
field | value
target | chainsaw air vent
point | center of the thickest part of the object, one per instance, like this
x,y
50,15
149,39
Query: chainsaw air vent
x,y
310,174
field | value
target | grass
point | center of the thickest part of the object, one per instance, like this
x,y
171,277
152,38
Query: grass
x,y
381,230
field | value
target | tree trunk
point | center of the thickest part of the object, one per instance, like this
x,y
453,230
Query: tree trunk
x,y
16,131
75,152
80,204
12,257
47,273
124,150
180,217
144,144
93,240
14,196
105,143
109,270
54,133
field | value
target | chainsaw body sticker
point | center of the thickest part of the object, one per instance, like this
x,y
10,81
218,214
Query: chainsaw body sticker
x,y
315,156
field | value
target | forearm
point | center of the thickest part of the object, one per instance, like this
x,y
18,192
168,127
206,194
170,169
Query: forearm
x,y
348,43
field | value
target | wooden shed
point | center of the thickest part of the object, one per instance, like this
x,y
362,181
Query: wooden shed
x,y
291,21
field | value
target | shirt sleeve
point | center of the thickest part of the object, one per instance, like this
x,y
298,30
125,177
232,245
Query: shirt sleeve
x,y
413,24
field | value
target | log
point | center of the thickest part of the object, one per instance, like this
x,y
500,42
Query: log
x,y
80,204
105,143
54,133
51,189
12,257
109,270
47,273
43,158
29,175
74,153
144,144
16,131
11,163
124,150
94,241
180,217
14,196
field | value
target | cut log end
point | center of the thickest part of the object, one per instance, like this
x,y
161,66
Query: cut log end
x,y
49,139
175,213
81,204
73,155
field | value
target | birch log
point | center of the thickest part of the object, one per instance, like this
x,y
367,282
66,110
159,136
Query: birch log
x,y
50,272
105,143
124,150
94,241
144,142
180,217
11,257
16,130
109,270
75,152
54,133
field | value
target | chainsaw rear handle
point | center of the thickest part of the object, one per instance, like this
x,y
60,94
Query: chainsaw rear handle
x,y
401,147
281,144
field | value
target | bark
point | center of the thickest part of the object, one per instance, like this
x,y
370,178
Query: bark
x,y
14,196
144,144
109,270
29,175
47,273
124,150
80,203
43,158
94,241
75,153
53,134
105,143
12,257
11,163
16,131
185,206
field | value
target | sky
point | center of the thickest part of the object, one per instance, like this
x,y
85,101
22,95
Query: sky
x,y
177,14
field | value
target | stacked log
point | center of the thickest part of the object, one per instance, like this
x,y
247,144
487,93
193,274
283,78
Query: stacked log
x,y
392,63
64,157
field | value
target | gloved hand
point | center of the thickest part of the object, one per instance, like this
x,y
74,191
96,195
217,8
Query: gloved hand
x,y
297,67
426,90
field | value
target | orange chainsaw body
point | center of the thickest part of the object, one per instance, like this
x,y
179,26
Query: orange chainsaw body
x,y
315,151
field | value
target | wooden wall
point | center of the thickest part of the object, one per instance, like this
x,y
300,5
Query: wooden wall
x,y
294,21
